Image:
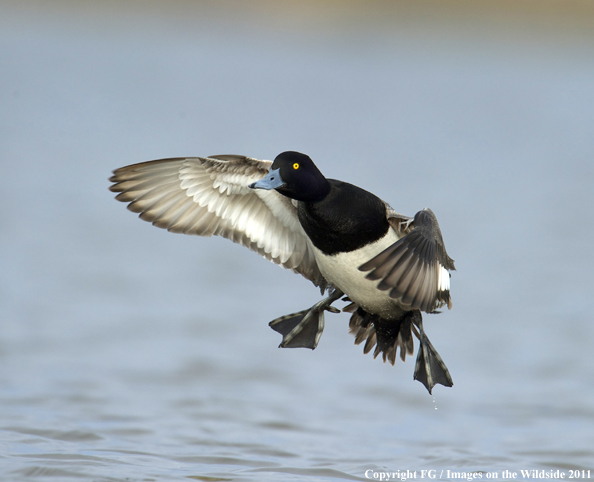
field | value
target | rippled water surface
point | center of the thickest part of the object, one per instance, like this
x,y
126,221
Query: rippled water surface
x,y
129,353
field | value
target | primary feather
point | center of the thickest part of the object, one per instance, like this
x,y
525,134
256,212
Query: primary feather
x,y
208,196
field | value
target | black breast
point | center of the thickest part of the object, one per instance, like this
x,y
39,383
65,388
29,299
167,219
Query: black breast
x,y
347,219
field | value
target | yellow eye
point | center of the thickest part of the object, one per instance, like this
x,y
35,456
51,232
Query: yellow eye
x,y
296,166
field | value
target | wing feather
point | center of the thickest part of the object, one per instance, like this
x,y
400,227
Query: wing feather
x,y
210,196
415,268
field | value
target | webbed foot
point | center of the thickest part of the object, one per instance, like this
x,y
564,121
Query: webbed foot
x,y
304,328
430,368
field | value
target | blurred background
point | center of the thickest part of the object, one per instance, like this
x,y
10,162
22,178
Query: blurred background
x,y
127,352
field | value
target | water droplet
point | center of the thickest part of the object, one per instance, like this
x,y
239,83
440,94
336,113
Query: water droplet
x,y
434,402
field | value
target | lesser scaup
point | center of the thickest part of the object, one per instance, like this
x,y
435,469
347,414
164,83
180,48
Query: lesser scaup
x,y
339,236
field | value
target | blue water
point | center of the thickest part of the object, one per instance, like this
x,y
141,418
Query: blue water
x,y
129,353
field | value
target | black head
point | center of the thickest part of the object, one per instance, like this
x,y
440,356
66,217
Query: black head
x,y
296,176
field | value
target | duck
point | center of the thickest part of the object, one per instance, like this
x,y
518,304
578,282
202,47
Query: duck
x,y
348,242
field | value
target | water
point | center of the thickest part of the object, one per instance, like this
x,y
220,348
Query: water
x,y
129,353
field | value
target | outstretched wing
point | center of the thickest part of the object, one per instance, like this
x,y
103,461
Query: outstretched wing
x,y
210,196
415,268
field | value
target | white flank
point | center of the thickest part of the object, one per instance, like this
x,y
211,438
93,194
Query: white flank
x,y
443,279
342,271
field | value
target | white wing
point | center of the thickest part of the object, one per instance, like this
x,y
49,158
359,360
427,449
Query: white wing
x,y
210,196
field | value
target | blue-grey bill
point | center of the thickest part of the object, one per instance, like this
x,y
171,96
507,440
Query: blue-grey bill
x,y
272,180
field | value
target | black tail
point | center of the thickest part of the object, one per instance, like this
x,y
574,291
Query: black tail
x,y
385,335
388,335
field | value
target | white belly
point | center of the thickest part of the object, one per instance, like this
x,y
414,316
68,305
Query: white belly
x,y
342,271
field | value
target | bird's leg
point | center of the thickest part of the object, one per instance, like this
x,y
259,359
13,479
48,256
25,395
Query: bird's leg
x,y
430,368
304,329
